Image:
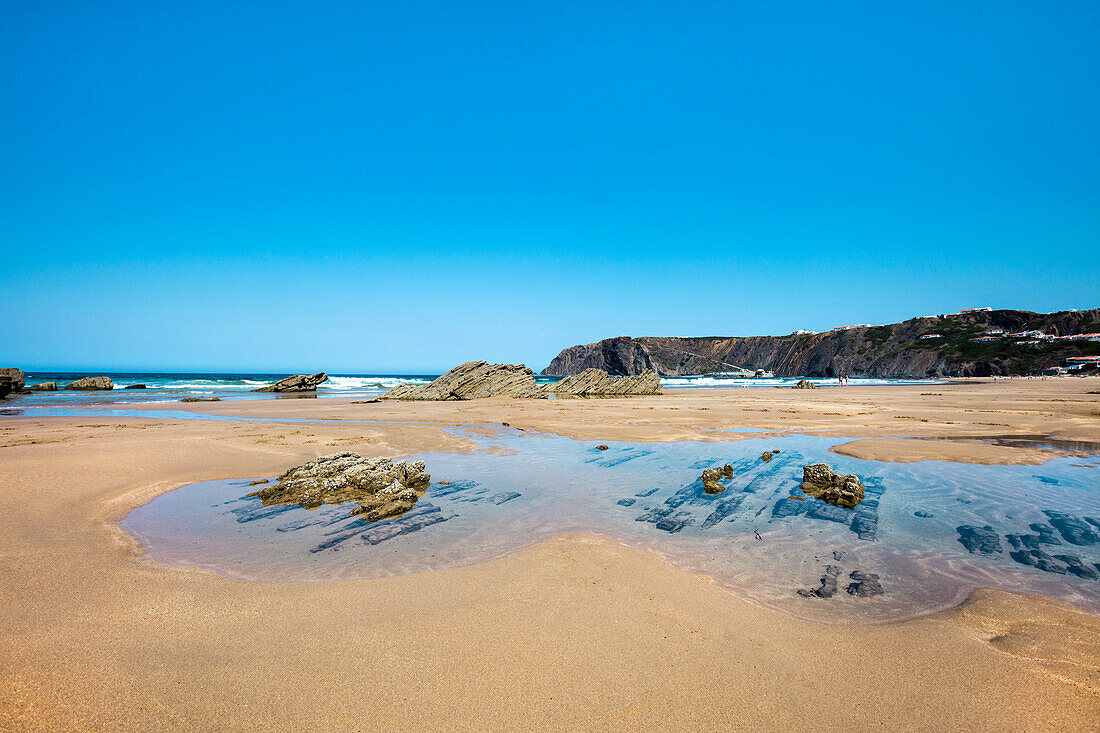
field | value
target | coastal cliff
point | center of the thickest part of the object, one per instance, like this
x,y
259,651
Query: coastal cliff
x,y
891,351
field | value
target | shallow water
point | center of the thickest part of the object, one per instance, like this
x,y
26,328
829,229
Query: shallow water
x,y
482,506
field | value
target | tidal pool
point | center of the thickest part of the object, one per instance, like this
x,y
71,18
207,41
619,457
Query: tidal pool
x,y
930,531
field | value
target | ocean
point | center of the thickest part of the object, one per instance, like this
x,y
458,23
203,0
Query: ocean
x,y
172,386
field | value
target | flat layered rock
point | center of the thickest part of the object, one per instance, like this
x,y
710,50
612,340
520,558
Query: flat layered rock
x,y
296,383
381,487
820,482
598,383
91,384
42,387
472,381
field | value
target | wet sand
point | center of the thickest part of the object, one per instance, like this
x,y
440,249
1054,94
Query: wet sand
x,y
575,632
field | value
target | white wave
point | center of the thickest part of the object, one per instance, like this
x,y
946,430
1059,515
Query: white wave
x,y
368,383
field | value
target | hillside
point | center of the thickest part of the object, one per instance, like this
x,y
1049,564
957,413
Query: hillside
x,y
891,351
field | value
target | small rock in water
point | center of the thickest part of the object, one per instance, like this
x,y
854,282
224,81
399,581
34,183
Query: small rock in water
x,y
601,447
727,471
923,514
1079,568
710,481
865,585
827,589
201,399
1038,559
820,482
257,482
135,386
803,384
673,524
979,539
1046,533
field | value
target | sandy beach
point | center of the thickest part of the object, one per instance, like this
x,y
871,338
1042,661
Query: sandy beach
x,y
577,632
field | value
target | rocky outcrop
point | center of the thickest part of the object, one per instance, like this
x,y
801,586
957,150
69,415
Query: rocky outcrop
x,y
895,350
804,384
471,381
820,482
381,487
135,386
296,383
11,380
91,384
42,387
712,476
598,383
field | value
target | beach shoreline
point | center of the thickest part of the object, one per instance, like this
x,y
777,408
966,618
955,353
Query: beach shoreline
x,y
94,637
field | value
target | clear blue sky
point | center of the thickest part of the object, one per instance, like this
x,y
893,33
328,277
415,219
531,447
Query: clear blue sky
x,y
391,187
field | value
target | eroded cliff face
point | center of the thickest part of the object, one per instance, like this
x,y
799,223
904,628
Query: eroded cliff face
x,y
891,351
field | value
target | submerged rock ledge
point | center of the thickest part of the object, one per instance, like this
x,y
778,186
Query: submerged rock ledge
x,y
382,488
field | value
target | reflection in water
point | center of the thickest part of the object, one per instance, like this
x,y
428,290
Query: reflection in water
x,y
925,535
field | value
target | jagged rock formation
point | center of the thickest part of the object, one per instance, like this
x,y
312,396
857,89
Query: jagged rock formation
x,y
11,380
820,482
296,383
42,387
803,384
381,487
471,381
598,383
894,350
90,384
